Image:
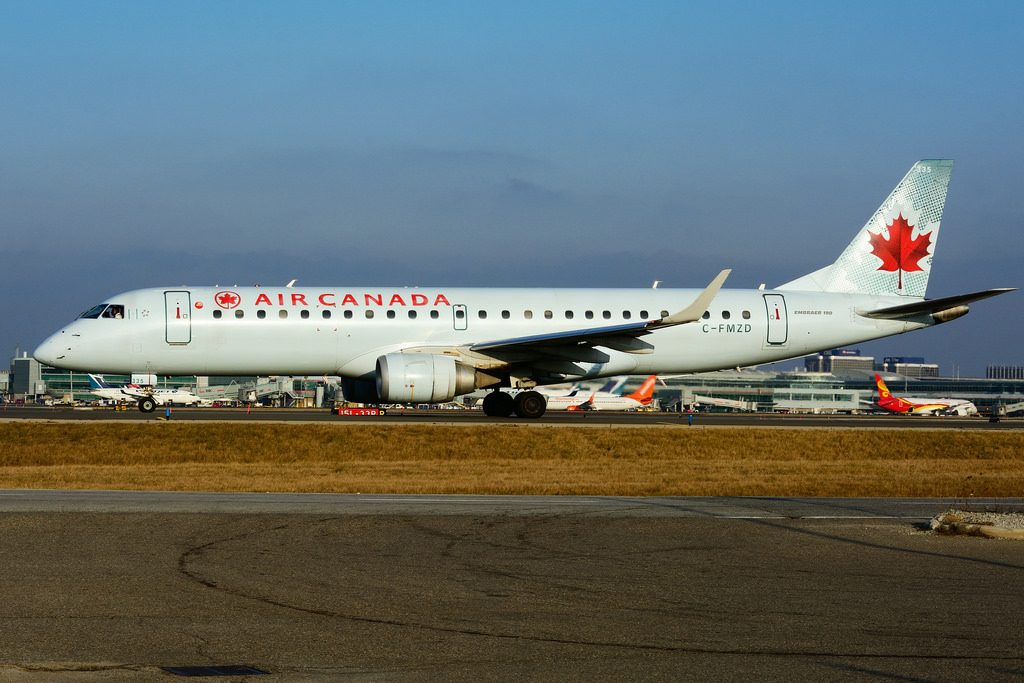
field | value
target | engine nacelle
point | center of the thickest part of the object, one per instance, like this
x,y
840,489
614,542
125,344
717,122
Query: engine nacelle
x,y
947,314
422,378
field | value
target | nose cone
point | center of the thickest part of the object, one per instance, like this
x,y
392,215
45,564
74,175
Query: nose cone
x,y
52,350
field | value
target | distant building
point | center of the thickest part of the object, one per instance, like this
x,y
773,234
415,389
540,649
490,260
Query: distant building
x,y
1004,372
909,366
824,392
26,377
839,360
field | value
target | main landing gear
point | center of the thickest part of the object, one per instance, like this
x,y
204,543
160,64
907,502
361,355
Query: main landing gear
x,y
529,404
498,404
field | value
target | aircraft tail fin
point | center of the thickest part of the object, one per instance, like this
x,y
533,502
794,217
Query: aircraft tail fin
x,y
645,394
883,390
97,382
614,385
887,400
892,253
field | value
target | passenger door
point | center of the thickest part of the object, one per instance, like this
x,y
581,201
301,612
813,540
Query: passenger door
x,y
778,326
178,309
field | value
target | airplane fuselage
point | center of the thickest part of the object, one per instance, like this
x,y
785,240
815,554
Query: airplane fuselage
x,y
313,331
586,402
402,345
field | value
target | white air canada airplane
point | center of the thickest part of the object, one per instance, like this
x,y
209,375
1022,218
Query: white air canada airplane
x,y
147,397
402,345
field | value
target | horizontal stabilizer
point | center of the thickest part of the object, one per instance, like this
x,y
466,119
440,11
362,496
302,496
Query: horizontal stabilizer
x,y
932,305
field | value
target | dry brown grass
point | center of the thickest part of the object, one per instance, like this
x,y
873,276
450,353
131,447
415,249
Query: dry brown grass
x,y
511,459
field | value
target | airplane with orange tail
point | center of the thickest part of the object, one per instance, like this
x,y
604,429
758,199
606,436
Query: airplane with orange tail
x,y
641,398
921,406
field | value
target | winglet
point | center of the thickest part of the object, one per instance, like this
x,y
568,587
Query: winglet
x,y
694,311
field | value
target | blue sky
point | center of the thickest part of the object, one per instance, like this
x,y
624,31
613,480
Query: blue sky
x,y
467,143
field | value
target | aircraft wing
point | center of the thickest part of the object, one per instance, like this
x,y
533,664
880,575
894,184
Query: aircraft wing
x,y
587,337
578,344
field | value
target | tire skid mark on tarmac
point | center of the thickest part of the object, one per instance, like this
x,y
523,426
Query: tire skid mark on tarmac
x,y
559,582
879,546
197,552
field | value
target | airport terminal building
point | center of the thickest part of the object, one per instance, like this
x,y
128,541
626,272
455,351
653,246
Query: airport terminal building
x,y
825,392
840,381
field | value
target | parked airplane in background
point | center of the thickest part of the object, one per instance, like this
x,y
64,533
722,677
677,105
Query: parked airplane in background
x,y
401,345
148,398
612,387
921,406
640,398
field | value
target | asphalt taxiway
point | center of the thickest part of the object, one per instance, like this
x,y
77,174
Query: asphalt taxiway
x,y
476,417
115,585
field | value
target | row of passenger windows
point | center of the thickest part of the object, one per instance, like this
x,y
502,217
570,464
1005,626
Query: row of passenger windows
x,y
460,314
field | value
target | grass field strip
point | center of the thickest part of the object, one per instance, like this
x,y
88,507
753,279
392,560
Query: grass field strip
x,y
378,459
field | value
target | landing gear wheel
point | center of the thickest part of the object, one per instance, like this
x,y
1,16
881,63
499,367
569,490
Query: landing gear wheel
x,y
498,404
530,404
147,405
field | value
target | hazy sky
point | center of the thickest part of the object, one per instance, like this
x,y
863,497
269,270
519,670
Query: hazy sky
x,y
469,143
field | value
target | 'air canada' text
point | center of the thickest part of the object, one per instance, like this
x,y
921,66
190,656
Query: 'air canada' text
x,y
332,299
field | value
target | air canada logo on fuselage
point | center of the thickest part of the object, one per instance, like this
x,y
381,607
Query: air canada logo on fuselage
x,y
227,299
333,299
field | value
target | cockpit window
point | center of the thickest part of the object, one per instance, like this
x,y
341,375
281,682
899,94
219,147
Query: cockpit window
x,y
104,311
94,312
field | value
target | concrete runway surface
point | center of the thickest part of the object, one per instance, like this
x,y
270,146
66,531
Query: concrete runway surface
x,y
113,585
476,417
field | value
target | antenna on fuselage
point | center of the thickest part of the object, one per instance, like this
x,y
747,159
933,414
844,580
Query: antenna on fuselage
x,y
656,283
291,283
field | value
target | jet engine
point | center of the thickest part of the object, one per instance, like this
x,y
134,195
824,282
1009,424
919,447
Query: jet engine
x,y
422,378
359,391
947,314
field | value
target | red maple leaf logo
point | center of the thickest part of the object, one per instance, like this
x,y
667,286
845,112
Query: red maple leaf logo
x,y
901,251
227,299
